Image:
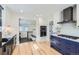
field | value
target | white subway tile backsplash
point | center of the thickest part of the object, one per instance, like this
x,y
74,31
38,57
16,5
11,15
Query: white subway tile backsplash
x,y
69,29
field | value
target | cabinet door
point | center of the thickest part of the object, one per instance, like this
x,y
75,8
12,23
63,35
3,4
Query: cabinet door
x,y
76,48
72,47
54,42
64,46
59,43
69,47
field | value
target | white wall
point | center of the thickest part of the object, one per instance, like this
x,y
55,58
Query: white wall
x,y
70,29
56,18
10,18
42,21
67,28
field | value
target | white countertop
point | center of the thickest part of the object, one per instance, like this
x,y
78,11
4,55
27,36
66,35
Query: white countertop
x,y
75,40
3,43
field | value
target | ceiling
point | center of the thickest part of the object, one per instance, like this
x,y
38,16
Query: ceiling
x,y
43,9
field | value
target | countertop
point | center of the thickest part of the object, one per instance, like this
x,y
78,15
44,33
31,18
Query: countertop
x,y
75,40
3,43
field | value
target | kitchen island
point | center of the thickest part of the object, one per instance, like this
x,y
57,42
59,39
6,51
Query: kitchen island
x,y
65,45
8,45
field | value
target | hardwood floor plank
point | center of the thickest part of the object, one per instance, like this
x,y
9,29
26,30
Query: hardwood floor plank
x,y
16,51
35,48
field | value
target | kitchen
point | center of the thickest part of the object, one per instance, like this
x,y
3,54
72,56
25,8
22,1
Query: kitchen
x,y
58,27
65,36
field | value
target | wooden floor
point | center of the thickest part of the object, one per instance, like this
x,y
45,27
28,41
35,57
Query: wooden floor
x,y
35,48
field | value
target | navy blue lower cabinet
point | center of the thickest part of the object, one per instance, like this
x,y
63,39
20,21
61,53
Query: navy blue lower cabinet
x,y
70,47
65,46
76,48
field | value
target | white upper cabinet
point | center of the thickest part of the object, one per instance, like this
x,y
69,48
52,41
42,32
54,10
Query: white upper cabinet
x,y
77,15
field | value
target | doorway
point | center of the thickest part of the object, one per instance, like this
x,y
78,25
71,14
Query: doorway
x,y
24,32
